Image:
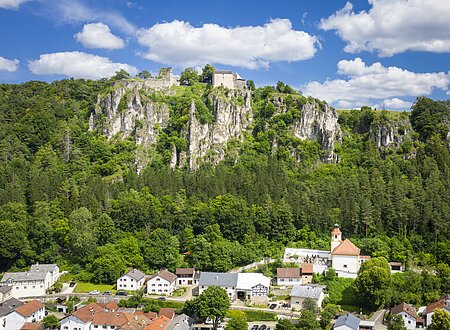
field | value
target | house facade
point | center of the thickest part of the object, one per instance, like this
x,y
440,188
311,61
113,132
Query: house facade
x,y
408,314
186,276
32,312
162,283
301,292
443,303
32,283
131,281
5,292
227,79
289,276
7,307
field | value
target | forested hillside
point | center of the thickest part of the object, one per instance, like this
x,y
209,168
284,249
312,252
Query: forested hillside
x,y
73,196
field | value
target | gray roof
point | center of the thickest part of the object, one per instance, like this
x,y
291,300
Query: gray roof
x,y
180,322
348,320
136,274
218,279
9,306
25,276
5,288
307,291
45,267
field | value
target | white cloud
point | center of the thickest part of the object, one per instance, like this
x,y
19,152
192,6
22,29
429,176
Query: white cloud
x,y
98,35
369,83
181,44
77,65
393,26
396,103
8,65
11,4
74,11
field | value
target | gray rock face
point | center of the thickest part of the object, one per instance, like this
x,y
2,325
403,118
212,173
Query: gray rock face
x,y
321,125
127,111
391,133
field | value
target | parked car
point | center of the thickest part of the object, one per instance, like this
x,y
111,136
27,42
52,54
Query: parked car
x,y
121,293
107,293
255,327
272,306
262,327
162,298
94,292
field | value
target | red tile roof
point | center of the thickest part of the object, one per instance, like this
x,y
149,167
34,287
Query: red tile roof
x,y
30,308
307,268
87,312
32,326
403,307
167,312
288,272
346,248
159,324
336,230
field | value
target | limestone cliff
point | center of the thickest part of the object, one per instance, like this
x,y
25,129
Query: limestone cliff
x,y
144,111
391,133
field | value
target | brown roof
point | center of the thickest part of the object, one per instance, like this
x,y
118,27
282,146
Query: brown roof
x,y
135,322
109,318
150,315
346,248
403,307
185,271
159,324
165,274
87,312
30,308
307,268
32,326
288,272
336,230
167,312
441,303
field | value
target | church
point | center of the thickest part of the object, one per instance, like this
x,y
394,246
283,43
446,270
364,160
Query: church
x,y
344,256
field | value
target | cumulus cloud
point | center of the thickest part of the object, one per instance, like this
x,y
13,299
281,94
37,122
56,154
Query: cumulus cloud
x,y
179,43
396,103
8,65
98,35
393,26
11,4
369,83
77,65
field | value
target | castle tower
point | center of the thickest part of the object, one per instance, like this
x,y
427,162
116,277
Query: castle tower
x,y
336,237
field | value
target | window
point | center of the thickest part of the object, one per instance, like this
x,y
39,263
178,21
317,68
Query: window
x,y
96,326
34,287
24,287
345,266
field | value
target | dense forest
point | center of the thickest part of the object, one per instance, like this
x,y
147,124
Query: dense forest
x,y
71,196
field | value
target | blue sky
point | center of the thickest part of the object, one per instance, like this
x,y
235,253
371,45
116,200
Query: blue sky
x,y
381,53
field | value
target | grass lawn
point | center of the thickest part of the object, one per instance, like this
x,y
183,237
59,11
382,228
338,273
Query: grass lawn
x,y
83,287
179,292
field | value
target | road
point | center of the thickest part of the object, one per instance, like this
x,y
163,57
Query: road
x,y
378,317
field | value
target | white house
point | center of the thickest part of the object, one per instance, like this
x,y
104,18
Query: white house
x,y
408,314
53,269
33,312
6,308
347,322
443,303
289,276
227,79
5,292
27,284
162,283
243,286
132,281
301,292
186,276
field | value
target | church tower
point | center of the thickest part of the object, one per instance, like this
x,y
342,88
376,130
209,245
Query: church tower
x,y
336,237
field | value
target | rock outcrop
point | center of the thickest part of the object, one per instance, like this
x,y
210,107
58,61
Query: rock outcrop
x,y
391,133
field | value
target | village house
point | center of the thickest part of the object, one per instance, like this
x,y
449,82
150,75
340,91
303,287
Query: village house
x,y
347,322
31,312
5,292
409,315
443,303
301,292
295,276
131,281
244,286
6,308
32,326
32,283
227,79
186,276
106,316
162,283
